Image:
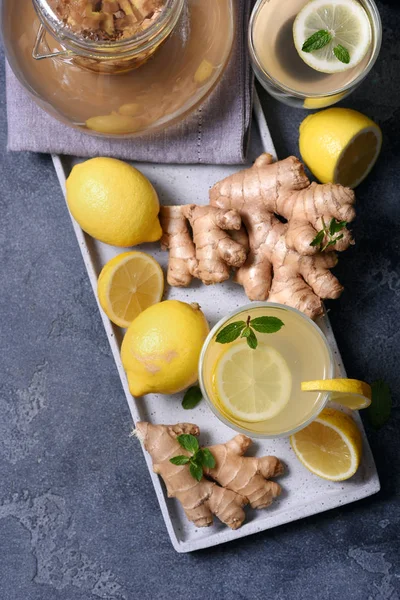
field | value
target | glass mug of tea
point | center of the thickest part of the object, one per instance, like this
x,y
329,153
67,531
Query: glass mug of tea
x,y
284,74
233,377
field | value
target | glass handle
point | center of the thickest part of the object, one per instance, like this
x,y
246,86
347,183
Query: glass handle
x,y
41,44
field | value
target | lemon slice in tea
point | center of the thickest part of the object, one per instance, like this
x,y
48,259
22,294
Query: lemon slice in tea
x,y
347,25
252,385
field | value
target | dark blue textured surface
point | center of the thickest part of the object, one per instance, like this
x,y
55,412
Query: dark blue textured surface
x,y
79,519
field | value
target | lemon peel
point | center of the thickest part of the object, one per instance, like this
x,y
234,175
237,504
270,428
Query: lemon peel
x,y
330,447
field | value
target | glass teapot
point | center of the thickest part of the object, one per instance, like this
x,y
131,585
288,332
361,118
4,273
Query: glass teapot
x,y
118,68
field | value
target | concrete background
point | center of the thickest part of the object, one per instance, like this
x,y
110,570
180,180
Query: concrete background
x,y
79,519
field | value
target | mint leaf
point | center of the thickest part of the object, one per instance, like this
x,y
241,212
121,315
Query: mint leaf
x,y
230,333
317,40
189,442
342,54
381,405
246,332
196,470
192,397
266,324
179,460
330,243
336,226
206,458
252,340
319,238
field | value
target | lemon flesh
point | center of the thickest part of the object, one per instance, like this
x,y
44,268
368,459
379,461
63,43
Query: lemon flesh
x,y
161,349
252,385
113,202
345,20
351,393
330,447
128,284
340,145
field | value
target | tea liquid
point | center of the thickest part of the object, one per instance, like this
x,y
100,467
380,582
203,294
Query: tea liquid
x,y
305,351
275,49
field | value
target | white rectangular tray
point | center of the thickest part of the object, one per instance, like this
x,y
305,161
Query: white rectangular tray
x,y
304,494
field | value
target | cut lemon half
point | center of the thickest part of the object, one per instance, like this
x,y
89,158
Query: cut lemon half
x,y
347,23
340,145
330,447
252,385
128,284
351,393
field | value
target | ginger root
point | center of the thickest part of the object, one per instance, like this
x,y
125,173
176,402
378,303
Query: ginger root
x,y
282,188
241,480
281,265
108,19
211,253
245,218
182,264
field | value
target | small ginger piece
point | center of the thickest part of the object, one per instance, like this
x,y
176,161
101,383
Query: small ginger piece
x,y
182,264
241,480
216,250
211,253
247,476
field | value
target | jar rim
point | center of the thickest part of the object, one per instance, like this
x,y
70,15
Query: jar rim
x,y
138,42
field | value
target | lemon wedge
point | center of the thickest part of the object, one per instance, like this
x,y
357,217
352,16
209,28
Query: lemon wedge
x,y
252,385
340,145
330,447
351,393
128,284
346,24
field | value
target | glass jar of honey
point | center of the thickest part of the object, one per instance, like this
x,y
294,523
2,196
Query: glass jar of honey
x,y
118,68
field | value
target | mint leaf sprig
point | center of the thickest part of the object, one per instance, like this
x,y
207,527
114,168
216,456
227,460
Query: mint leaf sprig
x,y
329,232
200,457
320,39
246,329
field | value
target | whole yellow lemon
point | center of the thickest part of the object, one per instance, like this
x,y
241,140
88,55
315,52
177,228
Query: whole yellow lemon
x,y
340,145
161,349
113,202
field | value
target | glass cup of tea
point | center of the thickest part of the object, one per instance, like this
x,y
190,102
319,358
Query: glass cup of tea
x,y
298,352
281,71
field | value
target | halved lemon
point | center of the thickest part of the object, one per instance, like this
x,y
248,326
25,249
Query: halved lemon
x,y
340,145
128,284
252,385
351,393
348,25
330,447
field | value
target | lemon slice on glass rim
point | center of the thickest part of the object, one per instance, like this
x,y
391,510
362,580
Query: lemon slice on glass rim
x,y
348,25
252,386
351,393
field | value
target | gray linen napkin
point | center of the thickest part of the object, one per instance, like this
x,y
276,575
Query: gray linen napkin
x,y
216,133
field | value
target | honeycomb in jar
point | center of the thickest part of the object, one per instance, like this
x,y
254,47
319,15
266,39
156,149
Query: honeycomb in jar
x,y
107,19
